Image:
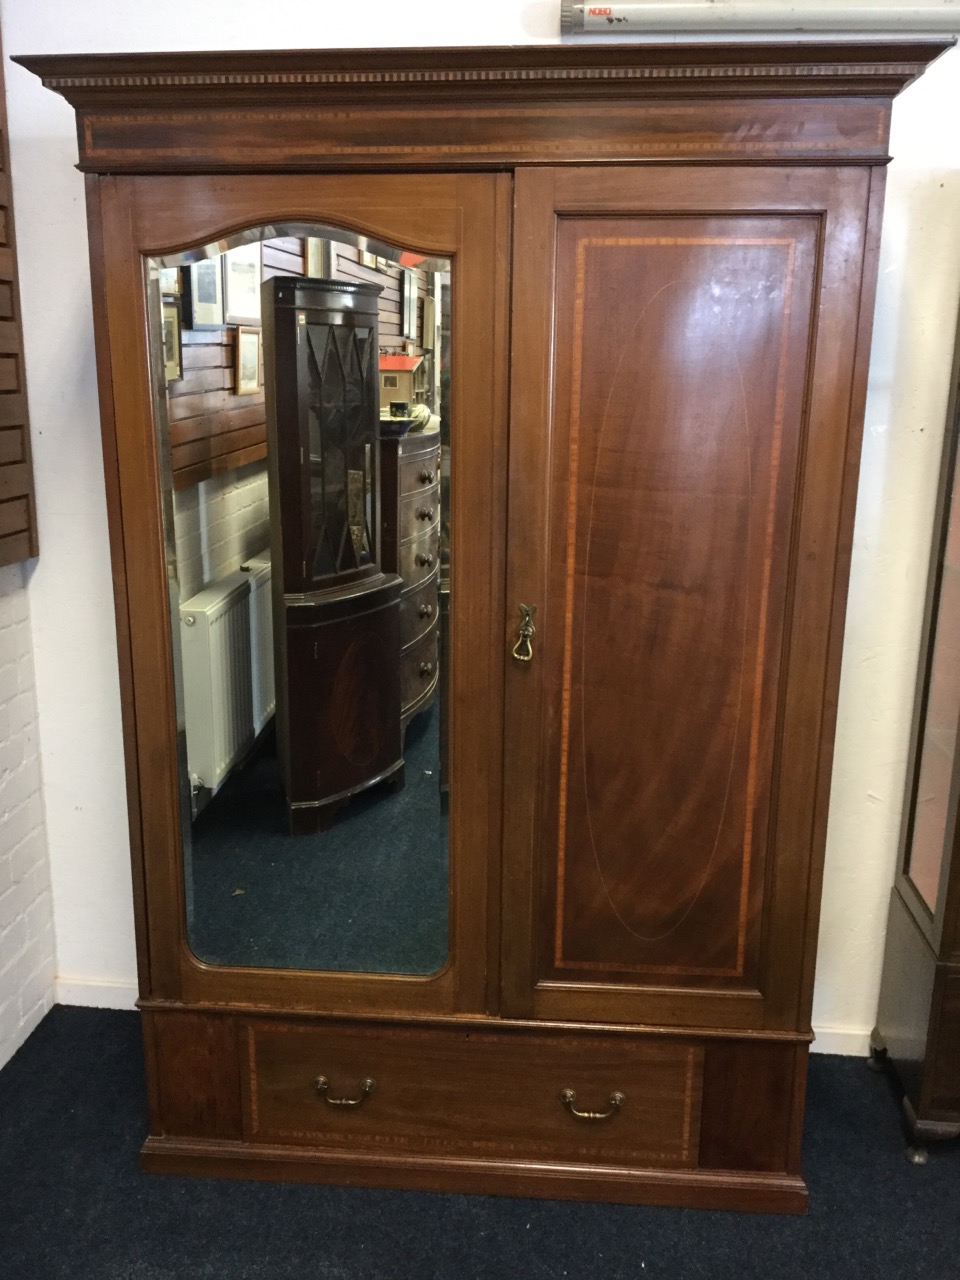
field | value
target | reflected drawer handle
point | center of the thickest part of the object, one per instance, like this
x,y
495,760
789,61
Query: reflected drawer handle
x,y
424,561
616,1101
427,477
425,513
425,611
426,668
323,1084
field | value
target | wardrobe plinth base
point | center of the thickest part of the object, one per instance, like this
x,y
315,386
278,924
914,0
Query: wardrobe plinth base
x,y
682,1188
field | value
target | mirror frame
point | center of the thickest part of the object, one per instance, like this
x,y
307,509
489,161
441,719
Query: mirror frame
x,y
460,217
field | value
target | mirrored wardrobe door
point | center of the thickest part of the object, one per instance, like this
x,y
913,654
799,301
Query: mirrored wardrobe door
x,y
312,397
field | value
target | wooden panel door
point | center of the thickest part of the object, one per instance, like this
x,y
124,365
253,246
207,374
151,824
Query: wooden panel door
x,y
688,344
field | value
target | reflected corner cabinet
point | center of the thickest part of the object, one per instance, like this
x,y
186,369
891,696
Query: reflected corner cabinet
x,y
650,379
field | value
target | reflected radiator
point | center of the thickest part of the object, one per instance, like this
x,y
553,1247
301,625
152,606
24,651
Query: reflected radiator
x,y
257,570
226,643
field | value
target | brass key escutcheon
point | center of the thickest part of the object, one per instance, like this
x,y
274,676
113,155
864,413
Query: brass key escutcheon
x,y
523,649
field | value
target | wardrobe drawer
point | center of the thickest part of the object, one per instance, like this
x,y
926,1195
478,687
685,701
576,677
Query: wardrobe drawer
x,y
483,1094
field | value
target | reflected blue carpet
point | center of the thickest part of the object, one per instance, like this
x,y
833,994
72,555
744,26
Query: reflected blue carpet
x,y
369,896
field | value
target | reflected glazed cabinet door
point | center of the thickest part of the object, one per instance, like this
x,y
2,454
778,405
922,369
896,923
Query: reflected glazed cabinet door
x,y
679,491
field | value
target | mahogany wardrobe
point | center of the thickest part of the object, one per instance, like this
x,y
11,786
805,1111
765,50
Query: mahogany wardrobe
x,y
660,266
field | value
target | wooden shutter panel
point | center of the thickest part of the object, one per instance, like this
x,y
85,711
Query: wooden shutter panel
x,y
18,519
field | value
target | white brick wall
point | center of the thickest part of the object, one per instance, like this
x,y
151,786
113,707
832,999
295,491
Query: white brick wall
x,y
219,524
27,949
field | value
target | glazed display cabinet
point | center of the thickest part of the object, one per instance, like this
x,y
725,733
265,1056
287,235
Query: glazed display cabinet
x,y
335,612
662,265
918,1022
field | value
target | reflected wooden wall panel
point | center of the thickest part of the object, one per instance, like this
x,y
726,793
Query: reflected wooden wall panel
x,y
283,256
18,520
212,429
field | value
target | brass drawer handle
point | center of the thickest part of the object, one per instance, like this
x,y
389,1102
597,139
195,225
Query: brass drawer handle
x,y
323,1084
425,611
616,1101
422,561
427,477
425,513
426,669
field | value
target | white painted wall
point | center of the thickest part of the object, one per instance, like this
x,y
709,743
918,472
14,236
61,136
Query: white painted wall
x,y
70,592
915,326
218,524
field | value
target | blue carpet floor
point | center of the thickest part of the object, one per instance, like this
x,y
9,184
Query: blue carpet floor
x,y
76,1207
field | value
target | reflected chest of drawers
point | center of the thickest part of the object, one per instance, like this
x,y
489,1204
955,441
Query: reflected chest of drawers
x,y
410,542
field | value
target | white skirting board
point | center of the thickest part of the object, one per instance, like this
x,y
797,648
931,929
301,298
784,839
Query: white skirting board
x,y
94,993
851,1042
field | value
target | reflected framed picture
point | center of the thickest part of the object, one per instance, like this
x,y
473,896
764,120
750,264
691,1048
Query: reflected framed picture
x,y
247,379
172,342
242,271
170,282
203,294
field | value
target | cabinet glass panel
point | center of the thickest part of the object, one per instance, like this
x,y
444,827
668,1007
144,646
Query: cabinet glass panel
x,y
303,449
340,362
934,798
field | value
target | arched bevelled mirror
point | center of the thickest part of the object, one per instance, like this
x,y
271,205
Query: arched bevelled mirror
x,y
305,390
